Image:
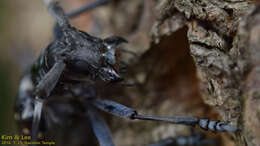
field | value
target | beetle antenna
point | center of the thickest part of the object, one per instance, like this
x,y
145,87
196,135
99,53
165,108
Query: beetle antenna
x,y
87,7
203,123
58,13
123,111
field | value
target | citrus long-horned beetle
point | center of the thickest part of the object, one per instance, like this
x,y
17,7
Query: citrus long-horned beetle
x,y
62,82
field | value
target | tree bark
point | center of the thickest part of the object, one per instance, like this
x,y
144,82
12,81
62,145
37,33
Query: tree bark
x,y
194,57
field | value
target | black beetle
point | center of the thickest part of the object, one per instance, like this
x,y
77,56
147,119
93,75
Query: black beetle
x,y
61,83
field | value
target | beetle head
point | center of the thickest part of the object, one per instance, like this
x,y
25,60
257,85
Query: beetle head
x,y
109,57
96,57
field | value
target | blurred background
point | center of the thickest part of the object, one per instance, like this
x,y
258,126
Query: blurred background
x,y
22,36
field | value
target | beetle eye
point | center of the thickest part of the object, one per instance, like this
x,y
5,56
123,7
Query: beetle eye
x,y
109,56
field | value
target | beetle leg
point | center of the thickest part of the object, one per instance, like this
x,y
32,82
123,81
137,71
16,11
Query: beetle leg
x,y
38,103
49,81
100,129
43,89
126,112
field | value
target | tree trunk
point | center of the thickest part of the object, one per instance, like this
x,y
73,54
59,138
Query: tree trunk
x,y
192,58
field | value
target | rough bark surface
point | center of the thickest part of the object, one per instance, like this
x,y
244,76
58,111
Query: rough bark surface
x,y
193,57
